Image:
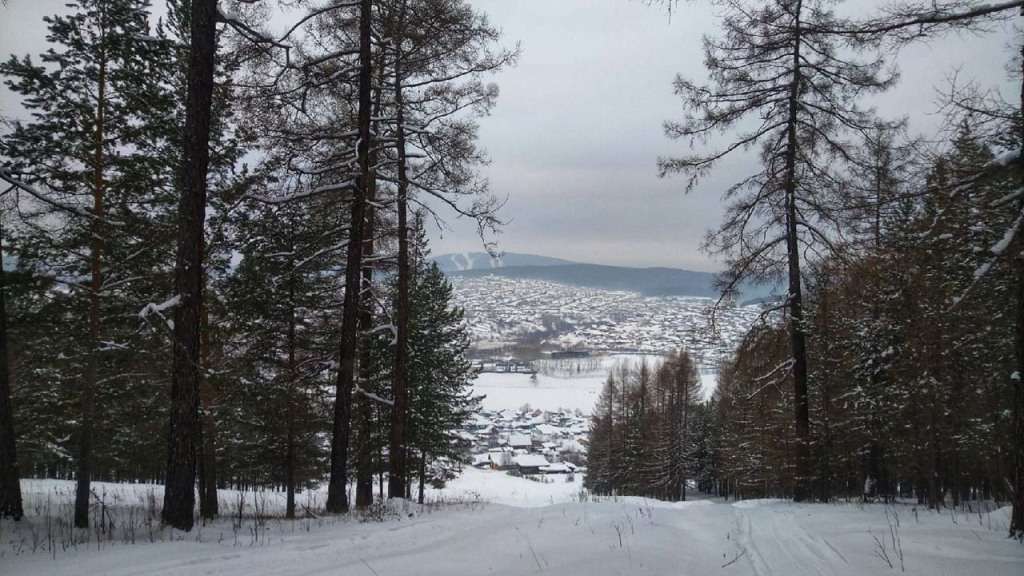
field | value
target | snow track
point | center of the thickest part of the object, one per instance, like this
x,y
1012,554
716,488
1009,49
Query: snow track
x,y
622,536
772,541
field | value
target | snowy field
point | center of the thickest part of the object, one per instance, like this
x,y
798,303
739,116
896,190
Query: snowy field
x,y
569,389
496,524
512,391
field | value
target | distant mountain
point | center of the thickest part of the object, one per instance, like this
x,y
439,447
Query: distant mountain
x,y
646,281
484,261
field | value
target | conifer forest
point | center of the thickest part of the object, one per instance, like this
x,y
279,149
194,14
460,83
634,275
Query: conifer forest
x,y
717,286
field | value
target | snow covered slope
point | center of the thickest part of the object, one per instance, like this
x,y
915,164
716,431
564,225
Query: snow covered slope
x,y
625,536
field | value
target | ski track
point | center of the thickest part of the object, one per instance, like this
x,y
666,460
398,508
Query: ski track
x,y
777,544
624,536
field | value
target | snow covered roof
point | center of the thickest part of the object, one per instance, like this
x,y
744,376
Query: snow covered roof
x,y
531,461
548,429
556,468
517,440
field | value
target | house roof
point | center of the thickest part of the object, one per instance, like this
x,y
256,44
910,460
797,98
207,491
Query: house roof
x,y
531,461
520,440
556,467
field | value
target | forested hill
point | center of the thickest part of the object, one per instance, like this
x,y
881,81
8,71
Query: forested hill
x,y
647,281
483,261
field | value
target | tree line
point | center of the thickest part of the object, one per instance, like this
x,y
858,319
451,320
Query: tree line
x,y
909,351
645,430
215,265
895,354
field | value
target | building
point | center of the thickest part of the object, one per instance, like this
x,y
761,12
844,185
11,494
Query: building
x,y
530,463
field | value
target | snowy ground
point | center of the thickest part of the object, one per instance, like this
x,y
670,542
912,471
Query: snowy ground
x,y
571,390
532,528
512,391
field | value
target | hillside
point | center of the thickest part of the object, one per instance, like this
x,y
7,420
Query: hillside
x,y
646,281
502,311
483,261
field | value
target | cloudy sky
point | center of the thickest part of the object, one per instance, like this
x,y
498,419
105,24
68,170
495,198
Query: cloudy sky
x,y
577,130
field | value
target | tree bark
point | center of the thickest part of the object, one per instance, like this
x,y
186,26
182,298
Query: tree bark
x,y
1017,381
10,484
293,378
364,410
423,476
88,392
397,477
798,336
179,492
208,503
337,499
1017,442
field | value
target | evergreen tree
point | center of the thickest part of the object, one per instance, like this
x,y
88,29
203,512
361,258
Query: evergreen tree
x,y
337,499
10,483
184,433
440,399
280,307
440,396
95,188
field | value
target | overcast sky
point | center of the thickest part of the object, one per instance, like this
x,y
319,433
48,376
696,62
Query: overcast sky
x,y
577,130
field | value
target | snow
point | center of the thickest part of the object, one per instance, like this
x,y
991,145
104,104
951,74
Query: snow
x,y
708,382
159,309
519,441
556,468
498,524
530,461
572,392
511,391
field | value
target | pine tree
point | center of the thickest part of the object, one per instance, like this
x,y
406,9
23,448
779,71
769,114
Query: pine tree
x,y
10,483
439,374
89,160
179,493
279,300
400,384
440,395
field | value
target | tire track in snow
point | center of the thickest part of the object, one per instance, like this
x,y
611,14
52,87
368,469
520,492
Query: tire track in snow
x,y
773,542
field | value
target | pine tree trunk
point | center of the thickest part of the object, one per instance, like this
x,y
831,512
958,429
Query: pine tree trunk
x,y
380,472
364,457
88,394
10,484
208,503
798,337
397,475
337,499
1017,442
289,511
364,410
293,378
179,492
406,457
423,476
